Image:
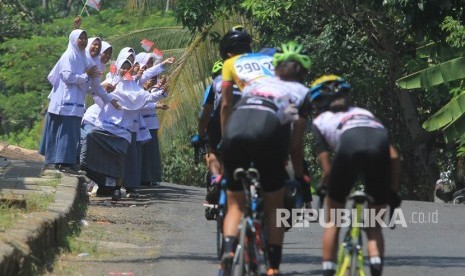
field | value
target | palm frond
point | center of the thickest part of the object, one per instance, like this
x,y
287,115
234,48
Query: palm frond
x,y
187,81
164,38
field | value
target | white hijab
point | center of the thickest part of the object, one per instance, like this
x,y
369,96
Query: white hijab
x,y
125,53
128,93
142,58
105,46
72,60
91,61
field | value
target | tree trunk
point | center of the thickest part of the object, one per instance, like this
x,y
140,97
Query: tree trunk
x,y
418,160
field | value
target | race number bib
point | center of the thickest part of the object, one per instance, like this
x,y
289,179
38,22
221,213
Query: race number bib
x,y
252,66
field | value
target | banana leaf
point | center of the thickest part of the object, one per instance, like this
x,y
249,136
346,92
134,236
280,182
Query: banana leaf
x,y
447,115
455,130
445,72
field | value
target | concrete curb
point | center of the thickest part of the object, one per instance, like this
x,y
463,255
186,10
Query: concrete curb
x,y
37,237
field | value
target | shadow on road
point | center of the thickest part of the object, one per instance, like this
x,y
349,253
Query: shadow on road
x,y
432,261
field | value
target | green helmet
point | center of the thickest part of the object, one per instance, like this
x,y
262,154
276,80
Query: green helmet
x,y
291,51
217,66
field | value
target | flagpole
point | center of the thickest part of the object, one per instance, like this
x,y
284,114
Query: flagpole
x,y
83,8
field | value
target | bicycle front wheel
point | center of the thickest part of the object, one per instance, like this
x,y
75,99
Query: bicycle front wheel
x,y
219,232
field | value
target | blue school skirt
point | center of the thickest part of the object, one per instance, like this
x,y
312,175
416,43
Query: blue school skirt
x,y
151,160
60,139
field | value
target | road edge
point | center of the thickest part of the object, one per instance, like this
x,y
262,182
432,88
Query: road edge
x,y
38,236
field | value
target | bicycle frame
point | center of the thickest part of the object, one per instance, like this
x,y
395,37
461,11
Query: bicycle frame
x,y
251,239
350,253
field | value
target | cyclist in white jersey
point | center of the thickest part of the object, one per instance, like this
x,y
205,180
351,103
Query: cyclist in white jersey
x,y
361,147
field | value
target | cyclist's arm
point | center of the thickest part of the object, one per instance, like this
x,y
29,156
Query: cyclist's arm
x,y
226,103
297,146
395,168
322,151
207,109
204,119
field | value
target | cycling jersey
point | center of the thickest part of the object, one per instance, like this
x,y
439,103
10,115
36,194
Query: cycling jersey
x,y
280,97
361,146
245,68
213,97
330,125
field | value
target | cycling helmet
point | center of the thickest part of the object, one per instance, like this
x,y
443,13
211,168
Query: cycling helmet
x,y
292,51
329,85
326,89
217,66
236,38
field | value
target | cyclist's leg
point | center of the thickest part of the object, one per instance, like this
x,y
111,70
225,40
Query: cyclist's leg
x,y
234,156
375,244
377,177
270,153
273,201
341,179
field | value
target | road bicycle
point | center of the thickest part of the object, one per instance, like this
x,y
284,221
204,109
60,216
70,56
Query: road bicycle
x,y
250,254
350,253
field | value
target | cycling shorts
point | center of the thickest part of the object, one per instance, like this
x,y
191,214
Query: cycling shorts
x,y
363,153
256,136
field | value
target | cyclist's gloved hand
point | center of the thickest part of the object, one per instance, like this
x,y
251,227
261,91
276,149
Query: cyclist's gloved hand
x,y
304,182
321,190
196,140
394,200
219,147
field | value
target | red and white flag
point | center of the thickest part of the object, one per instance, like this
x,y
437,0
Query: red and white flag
x,y
147,44
158,53
94,4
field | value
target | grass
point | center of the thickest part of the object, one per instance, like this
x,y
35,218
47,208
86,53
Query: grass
x,y
12,209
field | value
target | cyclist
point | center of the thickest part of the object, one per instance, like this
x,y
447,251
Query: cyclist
x,y
269,120
361,146
209,133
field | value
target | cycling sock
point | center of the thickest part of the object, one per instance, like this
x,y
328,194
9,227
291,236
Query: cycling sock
x,y
275,253
230,243
329,268
376,266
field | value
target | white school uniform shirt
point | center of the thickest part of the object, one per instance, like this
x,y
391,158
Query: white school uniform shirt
x,y
91,114
132,99
95,89
69,80
149,112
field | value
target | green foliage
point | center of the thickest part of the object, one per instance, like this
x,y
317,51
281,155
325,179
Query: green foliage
x,y
25,63
264,10
21,109
178,160
456,30
197,15
25,138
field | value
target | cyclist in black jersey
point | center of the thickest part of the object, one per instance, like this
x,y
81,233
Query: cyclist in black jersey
x,y
361,147
209,133
269,120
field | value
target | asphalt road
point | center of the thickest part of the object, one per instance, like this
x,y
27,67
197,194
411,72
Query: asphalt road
x,y
164,232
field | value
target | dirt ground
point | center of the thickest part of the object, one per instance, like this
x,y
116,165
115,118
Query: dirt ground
x,y
15,152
